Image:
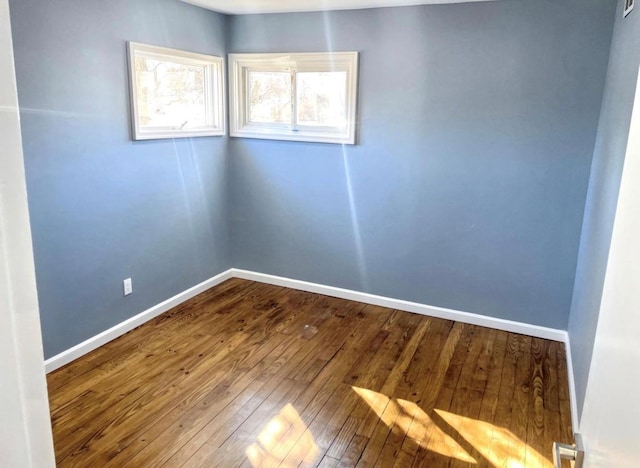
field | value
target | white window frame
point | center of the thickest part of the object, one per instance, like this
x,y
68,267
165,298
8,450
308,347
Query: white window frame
x,y
241,64
214,90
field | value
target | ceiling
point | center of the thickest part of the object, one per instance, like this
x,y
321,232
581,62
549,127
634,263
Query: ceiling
x,y
243,7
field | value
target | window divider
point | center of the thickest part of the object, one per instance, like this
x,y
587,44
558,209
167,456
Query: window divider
x,y
294,102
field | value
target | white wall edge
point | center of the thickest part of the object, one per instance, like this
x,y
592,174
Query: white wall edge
x,y
572,386
415,307
120,329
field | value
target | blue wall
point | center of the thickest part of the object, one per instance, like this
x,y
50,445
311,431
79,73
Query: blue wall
x,y
467,187
104,208
606,173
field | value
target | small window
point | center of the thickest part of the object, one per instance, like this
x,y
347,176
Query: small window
x,y
175,94
299,97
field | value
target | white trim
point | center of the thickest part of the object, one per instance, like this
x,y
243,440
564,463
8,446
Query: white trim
x,y
244,7
120,329
572,385
89,345
417,308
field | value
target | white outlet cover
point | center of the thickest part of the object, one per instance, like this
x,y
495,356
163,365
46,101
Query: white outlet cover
x,y
128,286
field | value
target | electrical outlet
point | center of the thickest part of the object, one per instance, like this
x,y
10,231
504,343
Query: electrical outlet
x,y
128,287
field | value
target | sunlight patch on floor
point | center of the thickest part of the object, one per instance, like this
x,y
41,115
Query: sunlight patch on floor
x,y
286,436
275,441
408,417
495,443
498,446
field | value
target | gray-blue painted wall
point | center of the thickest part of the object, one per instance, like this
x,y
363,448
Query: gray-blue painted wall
x,y
104,208
604,185
467,187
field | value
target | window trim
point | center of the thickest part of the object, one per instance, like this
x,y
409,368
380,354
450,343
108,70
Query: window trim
x,y
241,64
214,85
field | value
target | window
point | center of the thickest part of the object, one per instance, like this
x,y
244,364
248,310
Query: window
x,y
300,97
174,93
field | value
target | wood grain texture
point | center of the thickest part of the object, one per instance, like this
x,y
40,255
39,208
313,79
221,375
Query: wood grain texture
x,y
248,374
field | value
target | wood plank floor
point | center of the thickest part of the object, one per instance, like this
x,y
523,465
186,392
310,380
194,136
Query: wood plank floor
x,y
248,374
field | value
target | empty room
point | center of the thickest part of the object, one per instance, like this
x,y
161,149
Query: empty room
x,y
333,233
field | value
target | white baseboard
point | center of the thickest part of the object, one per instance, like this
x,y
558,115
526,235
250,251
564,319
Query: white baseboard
x,y
415,307
112,333
120,329
572,386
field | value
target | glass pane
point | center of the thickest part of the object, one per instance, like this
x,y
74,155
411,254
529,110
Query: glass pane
x,y
269,97
321,98
170,94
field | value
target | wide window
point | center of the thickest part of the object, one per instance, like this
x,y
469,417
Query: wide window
x,y
300,97
175,93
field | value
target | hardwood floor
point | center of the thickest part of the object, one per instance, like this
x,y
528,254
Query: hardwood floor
x,y
248,374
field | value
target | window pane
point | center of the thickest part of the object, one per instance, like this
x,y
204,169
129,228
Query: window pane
x,y
321,98
269,97
170,94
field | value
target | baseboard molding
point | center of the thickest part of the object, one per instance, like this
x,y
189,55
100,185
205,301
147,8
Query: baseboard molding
x,y
573,396
114,332
415,307
120,329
